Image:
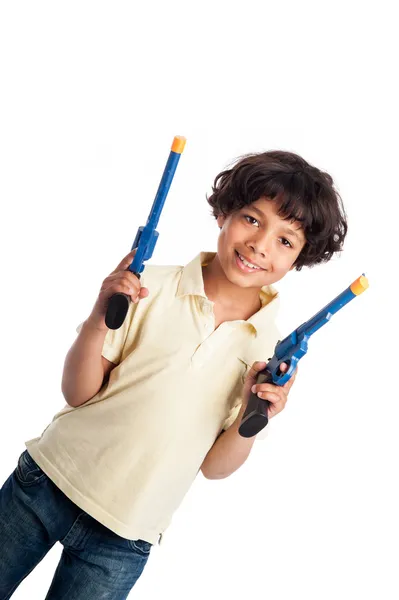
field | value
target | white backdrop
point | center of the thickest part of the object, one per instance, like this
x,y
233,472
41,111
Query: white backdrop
x,y
92,95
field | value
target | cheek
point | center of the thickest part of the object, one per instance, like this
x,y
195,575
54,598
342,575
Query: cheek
x,y
222,237
237,235
226,237
283,261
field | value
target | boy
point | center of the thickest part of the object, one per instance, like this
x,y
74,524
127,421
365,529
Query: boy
x,y
154,402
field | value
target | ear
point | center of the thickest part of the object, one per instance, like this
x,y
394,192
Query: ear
x,y
220,221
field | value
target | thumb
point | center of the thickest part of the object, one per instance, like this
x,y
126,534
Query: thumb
x,y
252,377
253,372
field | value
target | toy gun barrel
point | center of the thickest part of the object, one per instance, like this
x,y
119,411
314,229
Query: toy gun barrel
x,y
167,177
290,351
146,237
325,314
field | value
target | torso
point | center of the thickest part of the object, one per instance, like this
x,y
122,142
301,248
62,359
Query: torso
x,y
222,314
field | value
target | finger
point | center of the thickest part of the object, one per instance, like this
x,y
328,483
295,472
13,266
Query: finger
x,y
283,367
126,261
119,288
287,386
264,388
253,373
125,276
274,409
269,388
124,285
143,293
129,279
270,396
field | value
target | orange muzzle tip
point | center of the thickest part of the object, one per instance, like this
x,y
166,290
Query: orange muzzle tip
x,y
360,285
178,144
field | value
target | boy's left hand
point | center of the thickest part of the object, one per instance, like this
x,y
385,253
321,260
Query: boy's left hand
x,y
277,395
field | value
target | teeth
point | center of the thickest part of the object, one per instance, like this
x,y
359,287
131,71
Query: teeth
x,y
247,263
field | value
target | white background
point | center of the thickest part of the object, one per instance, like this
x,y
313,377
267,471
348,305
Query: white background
x,y
92,95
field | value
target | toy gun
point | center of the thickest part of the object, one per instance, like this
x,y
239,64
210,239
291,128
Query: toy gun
x,y
290,351
146,237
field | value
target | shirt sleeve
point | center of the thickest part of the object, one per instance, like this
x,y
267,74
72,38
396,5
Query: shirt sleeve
x,y
115,339
233,413
237,401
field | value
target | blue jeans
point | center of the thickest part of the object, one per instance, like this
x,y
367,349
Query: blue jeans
x,y
35,514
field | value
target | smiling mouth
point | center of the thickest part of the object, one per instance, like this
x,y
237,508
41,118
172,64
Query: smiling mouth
x,y
245,266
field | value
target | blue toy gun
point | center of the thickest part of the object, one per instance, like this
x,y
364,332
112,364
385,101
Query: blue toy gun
x,y
146,237
290,351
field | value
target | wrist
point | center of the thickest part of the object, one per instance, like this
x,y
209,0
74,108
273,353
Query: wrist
x,y
237,422
91,325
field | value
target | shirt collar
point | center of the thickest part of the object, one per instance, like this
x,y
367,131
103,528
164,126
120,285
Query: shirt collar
x,y
192,283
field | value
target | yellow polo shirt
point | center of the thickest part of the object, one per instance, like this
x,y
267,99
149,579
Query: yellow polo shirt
x,y
129,455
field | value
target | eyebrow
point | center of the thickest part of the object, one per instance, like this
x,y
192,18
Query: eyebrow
x,y
287,230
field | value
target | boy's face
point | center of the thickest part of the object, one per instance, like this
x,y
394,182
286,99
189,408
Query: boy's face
x,y
264,239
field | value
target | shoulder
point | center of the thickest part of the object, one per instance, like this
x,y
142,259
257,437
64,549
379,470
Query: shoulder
x,y
162,278
164,272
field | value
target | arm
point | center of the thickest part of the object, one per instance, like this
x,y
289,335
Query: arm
x,y
230,449
85,370
228,453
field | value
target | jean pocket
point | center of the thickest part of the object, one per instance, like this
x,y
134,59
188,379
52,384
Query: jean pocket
x,y
140,546
28,472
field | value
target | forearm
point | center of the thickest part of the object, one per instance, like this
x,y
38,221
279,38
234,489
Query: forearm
x,y
228,453
83,369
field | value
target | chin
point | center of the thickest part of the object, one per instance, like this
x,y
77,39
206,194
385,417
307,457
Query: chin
x,y
242,281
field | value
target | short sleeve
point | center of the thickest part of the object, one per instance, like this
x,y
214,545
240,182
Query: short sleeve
x,y
233,414
115,339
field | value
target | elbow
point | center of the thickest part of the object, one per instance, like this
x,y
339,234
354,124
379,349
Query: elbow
x,y
209,474
76,397
69,400
74,403
71,403
213,473
66,398
72,399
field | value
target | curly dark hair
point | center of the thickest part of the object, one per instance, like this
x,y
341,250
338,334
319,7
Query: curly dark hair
x,y
302,192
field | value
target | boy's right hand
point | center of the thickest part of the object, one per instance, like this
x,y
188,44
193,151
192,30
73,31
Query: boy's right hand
x,y
121,280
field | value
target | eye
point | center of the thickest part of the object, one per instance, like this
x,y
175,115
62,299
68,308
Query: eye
x,y
286,243
251,218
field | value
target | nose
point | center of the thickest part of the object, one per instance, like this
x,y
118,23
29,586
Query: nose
x,y
261,246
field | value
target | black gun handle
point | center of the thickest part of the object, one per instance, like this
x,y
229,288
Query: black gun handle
x,y
118,305
255,417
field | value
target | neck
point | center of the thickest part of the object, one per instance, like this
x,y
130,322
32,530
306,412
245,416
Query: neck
x,y
219,289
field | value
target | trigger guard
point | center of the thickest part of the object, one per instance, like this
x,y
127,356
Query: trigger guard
x,y
282,379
